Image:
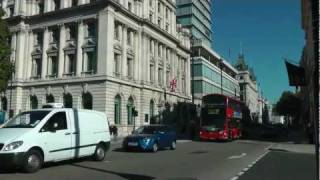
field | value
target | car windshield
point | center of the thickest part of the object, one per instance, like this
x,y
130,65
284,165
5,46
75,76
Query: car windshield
x,y
146,130
26,119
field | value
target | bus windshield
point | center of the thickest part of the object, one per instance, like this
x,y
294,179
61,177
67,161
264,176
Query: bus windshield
x,y
213,116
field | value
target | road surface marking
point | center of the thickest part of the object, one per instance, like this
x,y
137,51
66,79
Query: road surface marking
x,y
252,164
238,156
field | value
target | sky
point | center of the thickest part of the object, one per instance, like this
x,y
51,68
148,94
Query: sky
x,y
269,30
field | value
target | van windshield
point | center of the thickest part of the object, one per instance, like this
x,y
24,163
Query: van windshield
x,y
26,119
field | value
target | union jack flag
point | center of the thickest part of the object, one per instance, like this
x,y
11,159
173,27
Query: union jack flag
x,y
173,84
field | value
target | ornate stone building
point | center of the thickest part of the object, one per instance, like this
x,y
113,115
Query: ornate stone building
x,y
249,92
106,55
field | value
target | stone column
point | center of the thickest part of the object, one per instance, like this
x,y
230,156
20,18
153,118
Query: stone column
x,y
28,54
44,52
16,8
124,52
156,64
164,66
137,59
80,41
105,42
20,53
62,42
23,7
145,71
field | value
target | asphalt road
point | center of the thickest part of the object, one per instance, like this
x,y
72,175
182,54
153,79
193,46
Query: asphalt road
x,y
190,161
278,165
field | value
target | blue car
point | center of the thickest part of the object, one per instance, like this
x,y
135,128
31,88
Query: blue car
x,y
151,138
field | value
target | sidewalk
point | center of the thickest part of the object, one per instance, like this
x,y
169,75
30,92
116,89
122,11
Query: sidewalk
x,y
297,148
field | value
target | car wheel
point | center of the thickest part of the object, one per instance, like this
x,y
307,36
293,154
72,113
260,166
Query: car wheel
x,y
173,145
155,147
100,153
33,161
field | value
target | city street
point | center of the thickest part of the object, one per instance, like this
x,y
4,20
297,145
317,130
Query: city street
x,y
191,160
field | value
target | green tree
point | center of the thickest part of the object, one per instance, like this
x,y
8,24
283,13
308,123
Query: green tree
x,y
289,105
5,65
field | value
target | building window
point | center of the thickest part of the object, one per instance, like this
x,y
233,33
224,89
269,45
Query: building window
x,y
167,27
168,78
90,64
130,68
56,4
151,109
130,107
71,32
53,63
117,31
159,7
117,61
151,3
74,3
10,10
70,64
67,100
38,38
33,102
151,73
151,44
117,110
54,35
167,13
160,76
87,101
159,21
49,98
91,29
36,68
151,17
130,7
159,50
40,7
129,37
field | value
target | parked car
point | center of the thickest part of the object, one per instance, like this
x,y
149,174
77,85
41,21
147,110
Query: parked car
x,y
49,135
151,138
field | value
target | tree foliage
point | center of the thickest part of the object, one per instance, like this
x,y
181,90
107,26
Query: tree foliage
x,y
289,104
5,65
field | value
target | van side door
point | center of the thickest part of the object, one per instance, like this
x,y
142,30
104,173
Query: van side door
x,y
56,137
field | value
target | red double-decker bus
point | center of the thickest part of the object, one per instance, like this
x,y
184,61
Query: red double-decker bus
x,y
221,118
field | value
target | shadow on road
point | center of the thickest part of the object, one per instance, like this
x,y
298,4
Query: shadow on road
x,y
123,175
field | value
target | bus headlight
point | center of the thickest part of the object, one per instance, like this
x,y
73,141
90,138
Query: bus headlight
x,y
13,146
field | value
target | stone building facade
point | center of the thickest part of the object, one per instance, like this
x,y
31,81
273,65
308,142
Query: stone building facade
x,y
107,55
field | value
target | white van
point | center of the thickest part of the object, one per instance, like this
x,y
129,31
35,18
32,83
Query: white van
x,y
48,135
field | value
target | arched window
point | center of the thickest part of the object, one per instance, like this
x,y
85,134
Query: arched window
x,y
67,100
87,100
33,102
4,104
130,106
49,98
117,110
151,109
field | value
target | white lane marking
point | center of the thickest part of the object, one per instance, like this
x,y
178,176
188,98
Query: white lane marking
x,y
238,156
107,161
252,164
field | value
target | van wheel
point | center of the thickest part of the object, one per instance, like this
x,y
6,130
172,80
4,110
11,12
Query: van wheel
x,y
100,153
33,161
173,145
